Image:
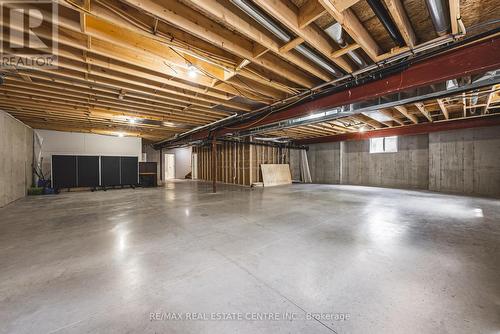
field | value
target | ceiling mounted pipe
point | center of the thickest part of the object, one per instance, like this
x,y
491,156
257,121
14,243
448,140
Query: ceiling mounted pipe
x,y
277,31
439,16
335,32
261,18
384,17
318,60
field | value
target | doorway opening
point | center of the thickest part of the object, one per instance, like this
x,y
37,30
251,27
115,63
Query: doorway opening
x,y
169,166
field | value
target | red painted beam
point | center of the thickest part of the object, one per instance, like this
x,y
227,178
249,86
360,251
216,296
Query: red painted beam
x,y
416,129
467,60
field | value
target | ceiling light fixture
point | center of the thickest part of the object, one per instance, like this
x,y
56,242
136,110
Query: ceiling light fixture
x,y
166,123
192,71
121,134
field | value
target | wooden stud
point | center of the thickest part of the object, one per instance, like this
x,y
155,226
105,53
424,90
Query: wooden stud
x,y
291,45
402,21
454,16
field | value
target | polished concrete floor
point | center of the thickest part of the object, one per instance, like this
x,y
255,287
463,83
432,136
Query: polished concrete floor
x,y
291,259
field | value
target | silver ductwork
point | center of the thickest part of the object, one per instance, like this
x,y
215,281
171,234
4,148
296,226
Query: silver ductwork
x,y
318,60
267,23
336,33
261,18
439,16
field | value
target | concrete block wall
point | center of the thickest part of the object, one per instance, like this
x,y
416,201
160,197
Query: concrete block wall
x,y
16,152
461,161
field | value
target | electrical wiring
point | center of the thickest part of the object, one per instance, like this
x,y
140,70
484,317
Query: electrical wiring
x,y
267,115
173,41
482,24
210,75
143,28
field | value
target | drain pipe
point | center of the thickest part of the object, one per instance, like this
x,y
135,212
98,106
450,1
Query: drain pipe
x,y
384,17
214,164
440,20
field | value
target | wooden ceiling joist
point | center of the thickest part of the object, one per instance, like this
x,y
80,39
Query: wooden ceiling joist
x,y
292,44
64,84
286,14
178,15
105,102
454,6
443,108
181,64
402,21
139,59
390,114
177,40
69,106
420,106
343,51
129,99
369,121
350,22
404,111
310,11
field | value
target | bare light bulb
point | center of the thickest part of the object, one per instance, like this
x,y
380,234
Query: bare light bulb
x,y
192,71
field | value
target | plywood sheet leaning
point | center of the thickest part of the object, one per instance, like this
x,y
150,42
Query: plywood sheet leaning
x,y
275,174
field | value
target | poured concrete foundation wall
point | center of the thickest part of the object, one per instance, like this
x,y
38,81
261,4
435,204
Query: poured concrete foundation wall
x,y
407,168
16,152
461,161
465,161
324,162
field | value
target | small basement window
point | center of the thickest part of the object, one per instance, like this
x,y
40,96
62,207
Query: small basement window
x,y
384,144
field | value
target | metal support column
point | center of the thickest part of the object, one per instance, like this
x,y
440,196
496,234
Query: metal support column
x,y
214,165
